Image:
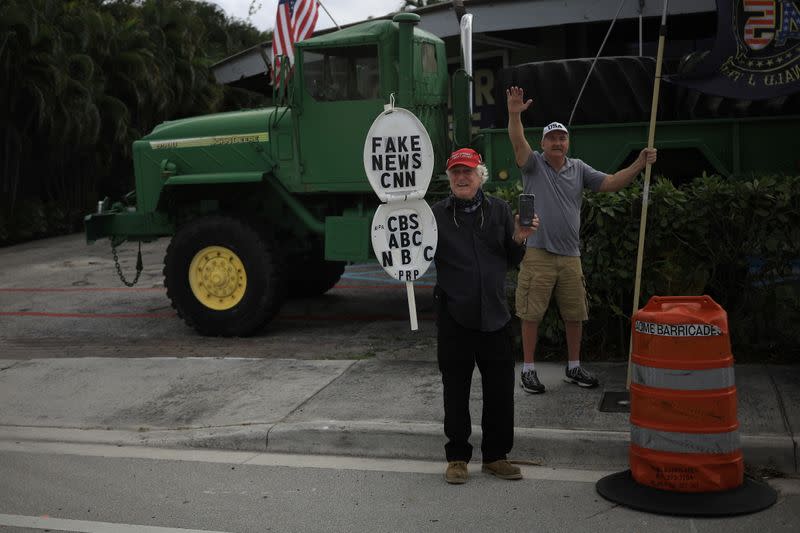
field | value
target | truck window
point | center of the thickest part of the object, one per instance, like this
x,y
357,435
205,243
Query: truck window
x,y
345,73
428,58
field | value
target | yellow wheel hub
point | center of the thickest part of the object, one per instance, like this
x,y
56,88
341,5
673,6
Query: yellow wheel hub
x,y
217,278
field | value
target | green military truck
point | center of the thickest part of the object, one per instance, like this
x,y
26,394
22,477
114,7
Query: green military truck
x,y
263,203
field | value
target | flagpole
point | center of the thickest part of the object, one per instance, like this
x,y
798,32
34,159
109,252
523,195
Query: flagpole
x,y
662,34
325,9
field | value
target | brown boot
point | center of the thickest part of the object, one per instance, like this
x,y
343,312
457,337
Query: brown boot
x,y
456,472
502,469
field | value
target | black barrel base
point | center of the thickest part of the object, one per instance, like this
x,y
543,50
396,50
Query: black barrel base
x,y
752,496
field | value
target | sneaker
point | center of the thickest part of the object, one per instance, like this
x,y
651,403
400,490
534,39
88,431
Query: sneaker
x,y
456,473
502,469
581,377
529,382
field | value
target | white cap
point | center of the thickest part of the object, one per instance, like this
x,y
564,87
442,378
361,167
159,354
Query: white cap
x,y
554,126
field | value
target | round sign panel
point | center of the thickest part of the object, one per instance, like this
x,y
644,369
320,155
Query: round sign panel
x,y
404,238
398,156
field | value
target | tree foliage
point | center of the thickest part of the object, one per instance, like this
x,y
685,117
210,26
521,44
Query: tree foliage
x,y
80,80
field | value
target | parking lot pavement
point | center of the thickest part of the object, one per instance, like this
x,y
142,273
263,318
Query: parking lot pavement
x,y
60,297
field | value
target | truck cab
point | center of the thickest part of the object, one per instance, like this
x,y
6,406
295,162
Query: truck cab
x,y
343,79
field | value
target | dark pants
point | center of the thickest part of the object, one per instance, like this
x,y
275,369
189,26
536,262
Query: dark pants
x,y
459,350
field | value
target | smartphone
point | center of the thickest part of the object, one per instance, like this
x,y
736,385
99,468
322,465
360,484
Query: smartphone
x,y
526,211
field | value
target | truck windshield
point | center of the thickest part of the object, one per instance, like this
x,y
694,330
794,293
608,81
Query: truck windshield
x,y
345,73
428,58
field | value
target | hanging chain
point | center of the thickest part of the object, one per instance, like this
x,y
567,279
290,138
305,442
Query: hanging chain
x,y
119,270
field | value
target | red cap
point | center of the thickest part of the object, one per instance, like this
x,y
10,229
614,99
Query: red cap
x,y
466,156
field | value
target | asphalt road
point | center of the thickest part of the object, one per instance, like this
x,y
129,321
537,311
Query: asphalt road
x,y
60,297
109,488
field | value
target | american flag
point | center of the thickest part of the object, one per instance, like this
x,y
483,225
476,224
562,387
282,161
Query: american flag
x,y
294,22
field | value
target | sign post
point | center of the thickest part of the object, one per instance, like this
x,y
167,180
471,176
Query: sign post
x,y
398,160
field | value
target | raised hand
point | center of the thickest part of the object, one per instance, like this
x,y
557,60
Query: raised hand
x,y
515,100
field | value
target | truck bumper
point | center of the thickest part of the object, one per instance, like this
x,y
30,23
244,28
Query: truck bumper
x,y
120,226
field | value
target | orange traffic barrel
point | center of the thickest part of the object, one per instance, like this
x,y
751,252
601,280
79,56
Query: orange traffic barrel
x,y
684,430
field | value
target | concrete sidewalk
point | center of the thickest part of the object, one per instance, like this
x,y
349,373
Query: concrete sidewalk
x,y
364,407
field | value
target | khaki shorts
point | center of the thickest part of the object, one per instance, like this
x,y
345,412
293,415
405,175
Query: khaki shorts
x,y
543,273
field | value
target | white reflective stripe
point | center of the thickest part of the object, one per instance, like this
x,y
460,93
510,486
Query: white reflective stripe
x,y
668,441
669,378
677,330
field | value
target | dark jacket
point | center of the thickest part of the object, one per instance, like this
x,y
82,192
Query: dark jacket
x,y
473,254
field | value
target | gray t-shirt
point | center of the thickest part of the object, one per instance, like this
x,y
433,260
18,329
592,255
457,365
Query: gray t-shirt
x,y
558,201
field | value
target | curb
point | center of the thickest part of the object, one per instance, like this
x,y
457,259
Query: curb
x,y
240,438
371,439
587,449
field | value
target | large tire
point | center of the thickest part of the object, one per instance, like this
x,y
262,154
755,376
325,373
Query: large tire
x,y
223,277
310,275
692,104
619,90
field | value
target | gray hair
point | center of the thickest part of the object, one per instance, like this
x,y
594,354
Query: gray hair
x,y
482,172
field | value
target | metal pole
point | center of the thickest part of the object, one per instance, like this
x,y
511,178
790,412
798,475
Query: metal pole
x,y
640,35
662,33
328,13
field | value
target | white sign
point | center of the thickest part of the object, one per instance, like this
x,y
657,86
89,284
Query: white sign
x,y
398,161
398,156
404,237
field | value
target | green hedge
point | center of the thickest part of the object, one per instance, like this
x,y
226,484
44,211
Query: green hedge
x,y
737,240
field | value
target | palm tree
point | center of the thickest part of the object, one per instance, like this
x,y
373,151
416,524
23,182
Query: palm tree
x,y
30,82
81,80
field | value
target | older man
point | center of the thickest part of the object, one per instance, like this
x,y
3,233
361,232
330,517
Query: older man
x,y
479,241
552,263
